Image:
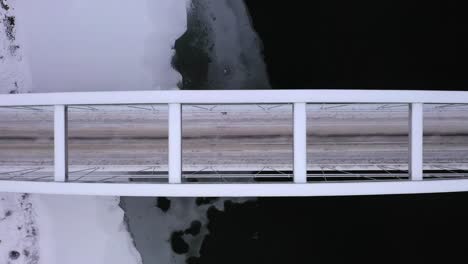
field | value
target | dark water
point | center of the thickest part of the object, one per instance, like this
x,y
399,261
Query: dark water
x,y
378,229
364,44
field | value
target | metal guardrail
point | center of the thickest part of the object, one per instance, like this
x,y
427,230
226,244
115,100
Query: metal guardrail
x,y
299,99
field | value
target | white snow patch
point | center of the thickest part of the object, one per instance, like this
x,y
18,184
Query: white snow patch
x,y
79,229
105,45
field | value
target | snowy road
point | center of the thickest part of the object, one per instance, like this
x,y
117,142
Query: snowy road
x,y
120,139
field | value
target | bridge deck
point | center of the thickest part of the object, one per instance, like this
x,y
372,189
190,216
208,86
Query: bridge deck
x,y
235,144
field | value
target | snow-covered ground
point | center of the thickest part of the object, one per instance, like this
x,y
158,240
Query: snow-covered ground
x,y
48,229
19,231
105,45
14,67
78,229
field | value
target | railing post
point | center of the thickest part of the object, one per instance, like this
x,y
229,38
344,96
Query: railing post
x,y
416,141
300,143
60,143
175,143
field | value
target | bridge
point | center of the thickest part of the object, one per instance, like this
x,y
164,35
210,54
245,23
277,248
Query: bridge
x,y
234,143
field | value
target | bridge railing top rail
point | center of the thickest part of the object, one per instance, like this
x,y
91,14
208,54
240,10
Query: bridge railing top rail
x,y
233,97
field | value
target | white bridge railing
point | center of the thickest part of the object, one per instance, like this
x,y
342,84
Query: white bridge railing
x,y
175,100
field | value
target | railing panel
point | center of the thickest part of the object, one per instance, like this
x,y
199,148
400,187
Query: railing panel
x,y
238,143
27,143
445,149
118,143
357,142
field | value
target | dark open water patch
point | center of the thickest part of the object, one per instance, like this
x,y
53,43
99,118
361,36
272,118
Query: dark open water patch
x,y
378,229
329,44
